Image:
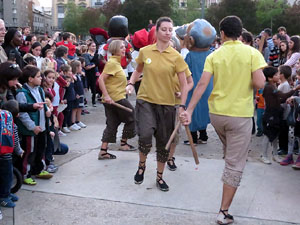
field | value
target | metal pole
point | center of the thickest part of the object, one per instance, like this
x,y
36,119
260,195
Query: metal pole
x,y
202,8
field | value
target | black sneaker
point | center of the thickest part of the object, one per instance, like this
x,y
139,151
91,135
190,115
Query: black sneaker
x,y
282,152
259,134
171,164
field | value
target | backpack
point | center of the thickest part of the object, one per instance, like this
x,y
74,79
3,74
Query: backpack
x,y
7,137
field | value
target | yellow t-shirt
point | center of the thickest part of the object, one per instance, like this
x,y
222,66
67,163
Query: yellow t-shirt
x,y
177,85
116,81
160,68
232,66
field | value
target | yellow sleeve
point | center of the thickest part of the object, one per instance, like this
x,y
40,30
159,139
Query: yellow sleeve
x,y
139,59
258,61
111,68
188,73
180,64
208,65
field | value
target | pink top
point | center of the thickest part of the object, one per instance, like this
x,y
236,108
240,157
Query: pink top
x,y
292,62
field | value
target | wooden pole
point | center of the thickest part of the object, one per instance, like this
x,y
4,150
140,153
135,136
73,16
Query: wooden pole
x,y
172,135
122,107
188,133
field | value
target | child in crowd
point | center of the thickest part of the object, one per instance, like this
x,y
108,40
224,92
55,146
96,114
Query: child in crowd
x,y
49,62
79,92
85,85
259,111
33,126
70,96
8,145
285,73
273,112
61,54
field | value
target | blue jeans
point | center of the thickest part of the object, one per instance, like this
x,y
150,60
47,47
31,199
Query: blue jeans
x,y
63,149
259,113
6,176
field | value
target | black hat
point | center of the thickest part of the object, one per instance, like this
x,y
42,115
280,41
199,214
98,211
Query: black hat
x,y
118,26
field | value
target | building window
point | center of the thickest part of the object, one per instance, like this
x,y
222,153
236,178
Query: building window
x,y
60,9
14,11
15,20
60,23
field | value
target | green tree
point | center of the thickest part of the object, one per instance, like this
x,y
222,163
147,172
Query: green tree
x,y
290,19
92,18
182,16
72,18
244,9
110,9
269,11
140,12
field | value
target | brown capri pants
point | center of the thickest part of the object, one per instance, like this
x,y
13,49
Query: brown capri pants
x,y
235,134
114,117
157,120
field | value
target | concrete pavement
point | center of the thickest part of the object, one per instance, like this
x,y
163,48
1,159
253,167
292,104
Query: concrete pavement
x,y
90,191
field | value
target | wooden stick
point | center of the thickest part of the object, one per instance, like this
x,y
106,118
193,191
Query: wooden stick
x,y
172,135
121,107
188,133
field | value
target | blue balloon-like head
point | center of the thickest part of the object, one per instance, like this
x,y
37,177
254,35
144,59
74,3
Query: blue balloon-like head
x,y
203,33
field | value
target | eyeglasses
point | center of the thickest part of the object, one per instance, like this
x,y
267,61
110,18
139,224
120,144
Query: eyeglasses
x,y
14,66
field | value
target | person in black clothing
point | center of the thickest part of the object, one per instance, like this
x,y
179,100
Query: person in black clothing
x,y
13,40
91,63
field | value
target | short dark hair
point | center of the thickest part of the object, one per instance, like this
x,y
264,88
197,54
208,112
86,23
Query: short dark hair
x,y
29,60
270,71
12,106
280,37
46,72
60,51
65,68
268,31
8,71
160,20
66,35
29,71
231,26
286,71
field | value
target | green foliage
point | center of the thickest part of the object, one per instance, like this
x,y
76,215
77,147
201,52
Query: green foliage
x,y
140,12
269,10
72,18
244,9
190,13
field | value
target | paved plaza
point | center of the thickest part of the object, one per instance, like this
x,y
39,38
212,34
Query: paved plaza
x,y
89,191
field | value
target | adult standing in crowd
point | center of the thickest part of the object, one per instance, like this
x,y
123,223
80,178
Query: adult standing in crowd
x,y
284,50
3,56
13,40
236,69
91,64
67,41
268,34
275,52
293,54
155,104
282,31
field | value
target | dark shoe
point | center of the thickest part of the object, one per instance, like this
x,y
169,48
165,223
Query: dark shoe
x,y
105,155
171,164
259,134
139,178
160,183
282,152
188,143
13,197
7,202
126,147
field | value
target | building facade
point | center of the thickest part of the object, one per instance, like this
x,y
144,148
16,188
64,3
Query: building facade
x,y
14,13
58,10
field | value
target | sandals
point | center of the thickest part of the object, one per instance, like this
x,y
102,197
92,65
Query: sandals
x,y
162,186
124,143
224,218
171,164
139,178
103,156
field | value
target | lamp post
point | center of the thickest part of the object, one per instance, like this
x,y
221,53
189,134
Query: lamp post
x,y
202,8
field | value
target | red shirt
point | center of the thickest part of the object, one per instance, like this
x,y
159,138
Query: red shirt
x,y
71,47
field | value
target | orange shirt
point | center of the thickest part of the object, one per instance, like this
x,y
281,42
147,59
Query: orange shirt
x,y
261,100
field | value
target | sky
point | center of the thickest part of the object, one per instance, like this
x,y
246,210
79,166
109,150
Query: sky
x,y
46,3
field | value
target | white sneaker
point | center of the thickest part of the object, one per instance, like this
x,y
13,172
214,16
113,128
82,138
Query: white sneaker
x,y
1,215
81,124
79,127
265,160
65,130
277,158
74,127
61,134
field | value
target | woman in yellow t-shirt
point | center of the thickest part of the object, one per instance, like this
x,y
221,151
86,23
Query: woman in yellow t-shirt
x,y
112,83
155,104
